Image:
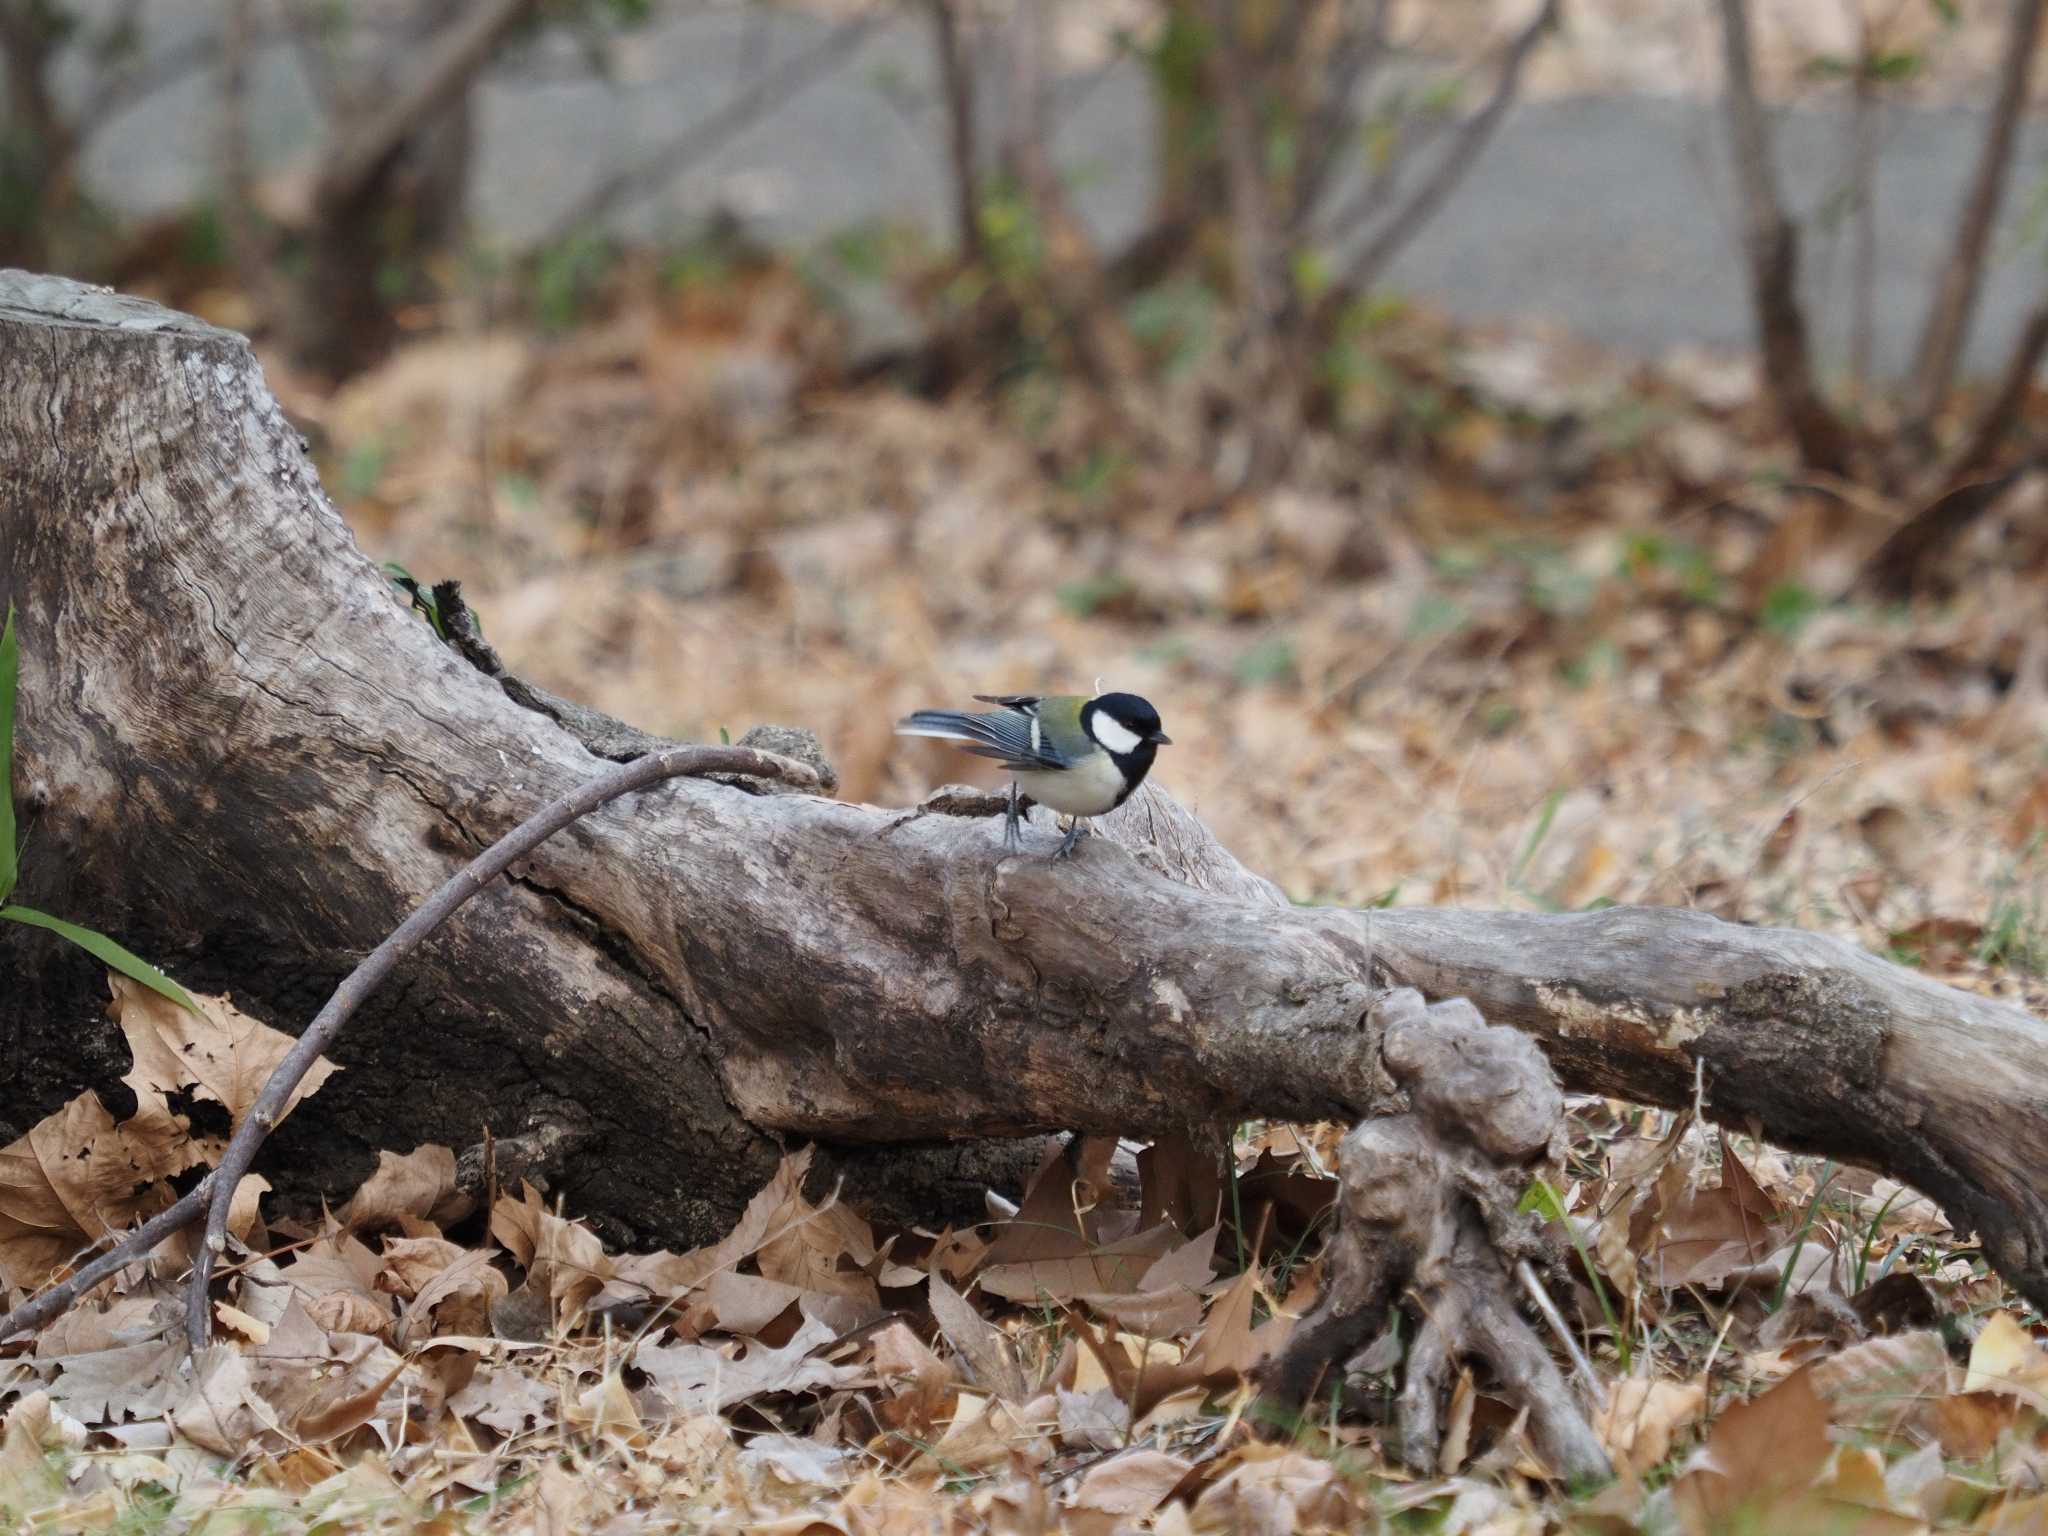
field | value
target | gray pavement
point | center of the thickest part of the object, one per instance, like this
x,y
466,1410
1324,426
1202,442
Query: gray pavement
x,y
1610,217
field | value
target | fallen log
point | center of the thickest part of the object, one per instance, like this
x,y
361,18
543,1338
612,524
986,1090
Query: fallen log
x,y
241,753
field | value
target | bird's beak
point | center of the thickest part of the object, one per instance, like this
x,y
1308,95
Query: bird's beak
x,y
1160,739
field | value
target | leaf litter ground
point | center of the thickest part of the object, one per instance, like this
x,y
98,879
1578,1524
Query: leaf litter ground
x,y
1646,680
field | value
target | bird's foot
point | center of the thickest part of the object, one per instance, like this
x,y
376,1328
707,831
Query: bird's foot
x,y
1013,837
1076,830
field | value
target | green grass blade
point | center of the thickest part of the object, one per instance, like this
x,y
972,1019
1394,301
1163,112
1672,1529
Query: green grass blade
x,y
1549,1204
1827,1177
8,658
104,948
1542,830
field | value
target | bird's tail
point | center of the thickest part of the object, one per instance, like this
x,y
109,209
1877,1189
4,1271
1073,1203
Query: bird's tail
x,y
947,725
993,736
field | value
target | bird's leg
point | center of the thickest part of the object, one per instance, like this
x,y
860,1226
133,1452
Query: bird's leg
x,y
1076,830
1013,840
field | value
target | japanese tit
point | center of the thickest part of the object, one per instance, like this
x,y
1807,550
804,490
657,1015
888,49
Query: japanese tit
x,y
1077,755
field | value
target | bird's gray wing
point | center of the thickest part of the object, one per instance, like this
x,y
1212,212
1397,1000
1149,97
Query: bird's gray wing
x,y
1011,737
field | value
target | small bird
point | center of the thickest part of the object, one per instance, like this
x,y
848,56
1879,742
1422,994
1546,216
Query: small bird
x,y
1078,755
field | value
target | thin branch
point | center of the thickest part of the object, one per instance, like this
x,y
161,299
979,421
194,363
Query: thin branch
x,y
1863,190
1260,282
315,61
28,45
1371,259
1955,299
460,52
772,89
2002,411
956,75
1072,280
1905,561
139,1244
246,254
1250,211
1334,124
1772,244
215,1193
132,87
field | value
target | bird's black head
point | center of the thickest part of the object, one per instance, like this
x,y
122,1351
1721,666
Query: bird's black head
x,y
1126,727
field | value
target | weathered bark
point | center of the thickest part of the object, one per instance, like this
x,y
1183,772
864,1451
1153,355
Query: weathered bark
x,y
242,755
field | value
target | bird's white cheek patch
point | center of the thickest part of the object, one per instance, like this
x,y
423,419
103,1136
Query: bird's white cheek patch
x,y
1113,735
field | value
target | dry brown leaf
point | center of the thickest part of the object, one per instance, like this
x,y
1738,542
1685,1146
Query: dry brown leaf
x,y
1708,1236
746,1304
508,1400
1885,1386
77,1177
251,1330
564,1260
1760,1455
1853,1497
1093,1421
219,1054
222,1411
1168,1298
985,1433
1228,1345
825,1248
347,1402
1272,1490
697,1378
136,1381
1053,1219
984,1350
1109,1269
1968,1424
1125,1487
418,1184
1742,1184
562,1503
1642,1416
336,1277
671,1276
2005,1357
923,1384
1180,1180
457,1298
605,1411
31,1472
410,1263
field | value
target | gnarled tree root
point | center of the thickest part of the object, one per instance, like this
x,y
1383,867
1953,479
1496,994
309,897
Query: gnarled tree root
x,y
1427,1221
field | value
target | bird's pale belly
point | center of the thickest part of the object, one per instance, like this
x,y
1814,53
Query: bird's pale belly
x,y
1089,789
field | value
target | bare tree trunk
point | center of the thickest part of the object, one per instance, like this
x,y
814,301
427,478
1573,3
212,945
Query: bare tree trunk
x,y
392,179
1771,241
1405,220
1955,297
2002,411
38,146
1863,211
242,755
956,76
